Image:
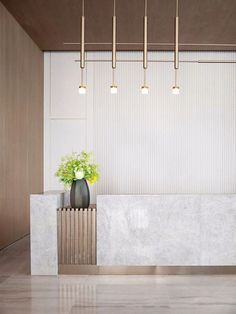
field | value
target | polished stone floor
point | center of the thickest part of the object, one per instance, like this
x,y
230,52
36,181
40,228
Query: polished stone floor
x,y
23,294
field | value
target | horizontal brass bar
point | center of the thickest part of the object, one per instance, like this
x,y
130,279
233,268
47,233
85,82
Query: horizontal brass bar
x,y
217,61
157,44
145,270
163,61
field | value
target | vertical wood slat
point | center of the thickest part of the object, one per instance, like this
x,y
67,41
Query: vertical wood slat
x,y
89,237
59,234
63,237
72,237
81,243
85,235
77,236
68,236
94,237
76,217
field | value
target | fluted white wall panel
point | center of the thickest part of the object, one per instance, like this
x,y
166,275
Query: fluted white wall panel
x,y
158,143
65,79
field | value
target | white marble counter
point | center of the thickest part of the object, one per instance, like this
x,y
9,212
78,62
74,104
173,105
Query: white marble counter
x,y
166,229
160,230
43,231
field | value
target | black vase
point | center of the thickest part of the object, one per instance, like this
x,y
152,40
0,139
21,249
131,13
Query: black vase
x,y
79,194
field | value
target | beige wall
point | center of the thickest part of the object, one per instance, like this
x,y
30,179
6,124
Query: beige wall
x,y
21,127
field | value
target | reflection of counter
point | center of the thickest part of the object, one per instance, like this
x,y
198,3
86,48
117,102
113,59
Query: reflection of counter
x,y
166,230
43,227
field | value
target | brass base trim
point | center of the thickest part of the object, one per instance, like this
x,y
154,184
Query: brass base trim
x,y
145,270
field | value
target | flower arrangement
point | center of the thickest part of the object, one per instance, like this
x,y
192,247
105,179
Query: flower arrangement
x,y
77,166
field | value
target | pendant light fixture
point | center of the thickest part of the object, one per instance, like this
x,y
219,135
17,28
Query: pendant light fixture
x,y
113,87
144,88
82,87
175,88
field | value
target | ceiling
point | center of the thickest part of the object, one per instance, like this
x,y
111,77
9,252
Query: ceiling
x,y
204,24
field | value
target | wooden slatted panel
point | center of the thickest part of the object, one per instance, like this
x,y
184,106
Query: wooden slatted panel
x,y
77,236
63,236
59,233
81,244
85,236
94,237
89,237
68,236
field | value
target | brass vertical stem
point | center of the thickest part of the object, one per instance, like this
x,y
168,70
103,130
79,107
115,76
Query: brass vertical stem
x,y
145,39
114,42
176,55
145,44
176,72
82,76
82,63
114,36
113,77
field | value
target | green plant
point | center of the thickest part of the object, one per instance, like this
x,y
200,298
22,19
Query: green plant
x,y
77,166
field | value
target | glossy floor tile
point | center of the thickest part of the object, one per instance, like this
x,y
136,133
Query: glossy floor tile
x,y
23,294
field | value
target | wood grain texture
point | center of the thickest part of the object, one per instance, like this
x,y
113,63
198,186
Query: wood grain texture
x,y
77,234
21,127
50,23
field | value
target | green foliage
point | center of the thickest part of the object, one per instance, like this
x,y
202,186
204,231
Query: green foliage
x,y
77,166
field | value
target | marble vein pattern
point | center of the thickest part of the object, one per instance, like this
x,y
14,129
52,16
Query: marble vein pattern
x,y
166,230
43,227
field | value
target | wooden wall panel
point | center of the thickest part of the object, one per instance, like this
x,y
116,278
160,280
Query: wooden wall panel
x,y
204,25
21,127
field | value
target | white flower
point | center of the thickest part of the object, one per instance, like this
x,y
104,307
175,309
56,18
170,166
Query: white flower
x,y
79,174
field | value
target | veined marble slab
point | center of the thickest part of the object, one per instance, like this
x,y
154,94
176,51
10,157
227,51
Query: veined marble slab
x,y
43,232
166,229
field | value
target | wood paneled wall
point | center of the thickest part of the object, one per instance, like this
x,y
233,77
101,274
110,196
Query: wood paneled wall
x,y
21,127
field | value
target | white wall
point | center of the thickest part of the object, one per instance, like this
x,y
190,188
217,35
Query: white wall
x,y
158,143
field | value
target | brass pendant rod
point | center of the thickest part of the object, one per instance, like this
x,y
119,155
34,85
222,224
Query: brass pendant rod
x,y
145,38
82,54
113,77
176,77
176,55
114,37
82,76
145,77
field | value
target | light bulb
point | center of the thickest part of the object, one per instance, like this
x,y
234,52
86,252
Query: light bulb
x,y
175,90
113,89
144,90
82,89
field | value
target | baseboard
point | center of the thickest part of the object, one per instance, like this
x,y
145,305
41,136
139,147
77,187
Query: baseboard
x,y
145,270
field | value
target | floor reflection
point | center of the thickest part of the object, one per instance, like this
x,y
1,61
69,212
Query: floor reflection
x,y
79,298
118,294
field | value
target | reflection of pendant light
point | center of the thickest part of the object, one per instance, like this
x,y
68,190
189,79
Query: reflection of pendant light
x,y
175,88
113,87
82,87
144,88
